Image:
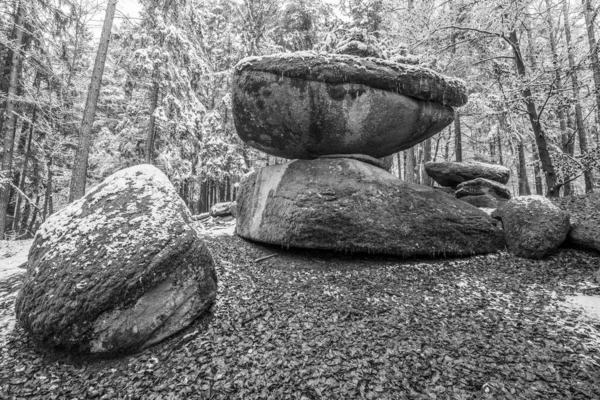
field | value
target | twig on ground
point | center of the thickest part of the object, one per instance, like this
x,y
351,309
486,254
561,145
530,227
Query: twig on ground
x,y
265,258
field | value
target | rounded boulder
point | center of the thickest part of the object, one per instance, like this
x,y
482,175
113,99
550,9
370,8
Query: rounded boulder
x,y
533,226
118,270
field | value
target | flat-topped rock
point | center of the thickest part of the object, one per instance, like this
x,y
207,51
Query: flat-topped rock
x,y
449,173
118,270
410,80
303,119
348,205
482,186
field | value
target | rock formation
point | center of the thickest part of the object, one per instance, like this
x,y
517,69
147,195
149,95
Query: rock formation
x,y
449,173
118,270
340,114
472,179
352,206
306,105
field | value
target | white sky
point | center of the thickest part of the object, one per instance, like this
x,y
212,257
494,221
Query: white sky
x,y
125,9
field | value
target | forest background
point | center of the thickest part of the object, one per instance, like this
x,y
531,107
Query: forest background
x,y
531,68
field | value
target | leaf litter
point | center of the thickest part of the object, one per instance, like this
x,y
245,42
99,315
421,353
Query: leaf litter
x,y
304,325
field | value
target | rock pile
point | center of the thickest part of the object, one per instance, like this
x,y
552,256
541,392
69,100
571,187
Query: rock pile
x,y
477,183
118,270
338,114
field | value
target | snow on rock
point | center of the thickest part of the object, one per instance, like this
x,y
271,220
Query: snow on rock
x,y
129,241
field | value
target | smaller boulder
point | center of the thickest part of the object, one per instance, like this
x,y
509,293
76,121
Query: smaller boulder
x,y
223,209
482,186
481,201
533,226
448,173
585,219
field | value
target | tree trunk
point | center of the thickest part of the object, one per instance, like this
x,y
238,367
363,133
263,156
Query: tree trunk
x,y
410,165
523,180
583,146
152,126
588,12
78,178
426,179
11,121
539,186
539,134
565,135
399,165
23,174
457,137
48,206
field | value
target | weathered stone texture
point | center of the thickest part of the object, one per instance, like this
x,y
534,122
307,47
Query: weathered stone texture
x,y
347,205
533,226
448,173
118,270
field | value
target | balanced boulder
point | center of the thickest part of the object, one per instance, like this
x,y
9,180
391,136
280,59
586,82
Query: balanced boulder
x,y
118,270
448,173
305,105
481,186
533,226
585,219
348,205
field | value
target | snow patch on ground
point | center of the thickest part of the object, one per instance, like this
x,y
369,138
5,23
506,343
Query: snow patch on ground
x,y
13,254
590,305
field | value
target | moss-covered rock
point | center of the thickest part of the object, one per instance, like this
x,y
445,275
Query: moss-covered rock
x,y
118,270
348,205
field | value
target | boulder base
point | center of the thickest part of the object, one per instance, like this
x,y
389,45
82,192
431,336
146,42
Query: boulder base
x,y
533,226
118,270
304,119
448,173
347,205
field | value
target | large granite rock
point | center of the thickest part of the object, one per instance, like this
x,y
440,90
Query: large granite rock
x,y
585,219
347,205
482,186
533,226
448,173
306,105
481,201
118,270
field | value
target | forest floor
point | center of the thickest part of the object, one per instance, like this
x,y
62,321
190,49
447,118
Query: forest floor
x,y
322,325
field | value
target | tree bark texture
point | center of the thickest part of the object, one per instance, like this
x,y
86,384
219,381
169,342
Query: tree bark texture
x,y
78,178
581,134
588,12
11,121
457,137
539,134
523,180
23,174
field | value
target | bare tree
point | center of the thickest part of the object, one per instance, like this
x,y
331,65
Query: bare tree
x,y
78,178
